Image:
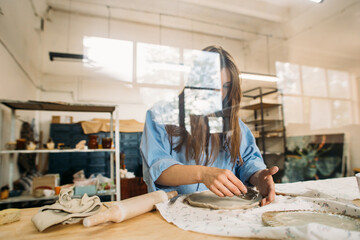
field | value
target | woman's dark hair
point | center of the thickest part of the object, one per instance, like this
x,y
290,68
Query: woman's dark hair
x,y
197,141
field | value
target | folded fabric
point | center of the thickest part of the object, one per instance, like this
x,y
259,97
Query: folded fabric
x,y
103,125
66,210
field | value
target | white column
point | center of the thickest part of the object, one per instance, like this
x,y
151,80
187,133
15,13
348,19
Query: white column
x,y
12,156
111,153
117,154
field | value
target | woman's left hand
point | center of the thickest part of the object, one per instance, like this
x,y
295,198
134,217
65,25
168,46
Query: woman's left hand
x,y
263,180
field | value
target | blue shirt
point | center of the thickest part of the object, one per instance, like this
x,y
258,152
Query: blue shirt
x,y
157,156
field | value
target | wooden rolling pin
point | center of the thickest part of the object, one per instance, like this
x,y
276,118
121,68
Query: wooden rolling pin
x,y
129,208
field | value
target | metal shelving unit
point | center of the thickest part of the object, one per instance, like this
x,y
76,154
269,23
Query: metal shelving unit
x,y
271,130
63,107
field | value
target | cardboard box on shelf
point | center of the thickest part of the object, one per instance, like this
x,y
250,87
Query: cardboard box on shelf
x,y
62,119
46,181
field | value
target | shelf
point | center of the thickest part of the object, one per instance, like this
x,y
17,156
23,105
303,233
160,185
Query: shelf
x,y
104,193
268,124
63,107
275,131
56,106
269,137
270,121
259,92
55,151
272,153
28,197
258,106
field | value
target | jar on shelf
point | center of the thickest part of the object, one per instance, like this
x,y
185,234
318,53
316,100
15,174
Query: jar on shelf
x,y
93,142
21,144
106,142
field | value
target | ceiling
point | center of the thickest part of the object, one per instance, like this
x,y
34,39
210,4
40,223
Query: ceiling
x,y
331,27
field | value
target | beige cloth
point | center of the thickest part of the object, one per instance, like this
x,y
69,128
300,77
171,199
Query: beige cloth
x,y
103,125
66,210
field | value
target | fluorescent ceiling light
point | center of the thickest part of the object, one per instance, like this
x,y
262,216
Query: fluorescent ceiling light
x,y
258,77
317,1
71,57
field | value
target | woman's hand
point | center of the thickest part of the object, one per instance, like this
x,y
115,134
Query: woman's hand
x,y
263,180
222,182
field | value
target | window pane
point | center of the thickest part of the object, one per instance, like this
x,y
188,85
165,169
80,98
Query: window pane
x,y
314,81
110,57
341,113
339,84
158,64
164,104
306,109
289,77
320,114
293,110
204,69
201,102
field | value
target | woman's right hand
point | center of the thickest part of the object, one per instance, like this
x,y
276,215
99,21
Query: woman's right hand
x,y
222,182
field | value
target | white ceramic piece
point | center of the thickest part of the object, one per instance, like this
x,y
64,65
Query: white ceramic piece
x,y
303,217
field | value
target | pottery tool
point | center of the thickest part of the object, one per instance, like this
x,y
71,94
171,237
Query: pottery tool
x,y
250,195
129,208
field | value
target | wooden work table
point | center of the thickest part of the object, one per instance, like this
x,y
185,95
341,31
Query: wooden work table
x,y
150,225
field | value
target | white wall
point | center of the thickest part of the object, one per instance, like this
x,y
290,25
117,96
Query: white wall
x,y
20,57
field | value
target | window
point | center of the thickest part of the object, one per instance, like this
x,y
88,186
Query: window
x,y
320,113
341,113
111,57
291,109
314,81
157,64
204,69
339,84
289,77
319,97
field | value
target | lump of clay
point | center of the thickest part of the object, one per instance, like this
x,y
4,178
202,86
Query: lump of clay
x,y
208,199
9,215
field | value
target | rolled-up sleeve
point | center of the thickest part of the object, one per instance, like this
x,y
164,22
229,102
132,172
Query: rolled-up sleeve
x,y
250,154
155,150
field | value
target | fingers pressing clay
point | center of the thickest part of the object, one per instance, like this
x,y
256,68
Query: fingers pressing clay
x,y
239,185
223,189
216,191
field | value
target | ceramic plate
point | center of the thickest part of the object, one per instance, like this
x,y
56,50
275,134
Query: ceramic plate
x,y
208,199
296,218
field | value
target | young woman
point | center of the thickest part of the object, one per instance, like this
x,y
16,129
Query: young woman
x,y
187,161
